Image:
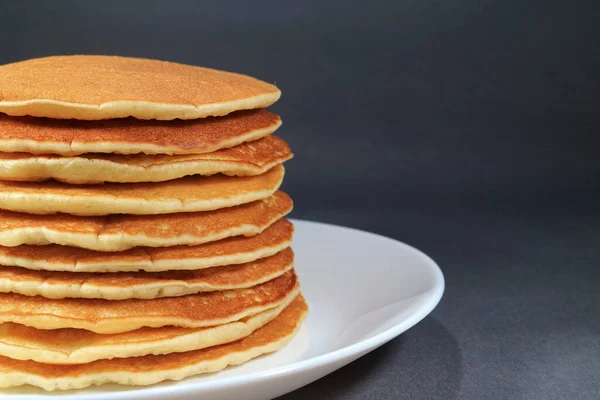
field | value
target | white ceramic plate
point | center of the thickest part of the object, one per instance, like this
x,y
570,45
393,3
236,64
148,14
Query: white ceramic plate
x,y
362,289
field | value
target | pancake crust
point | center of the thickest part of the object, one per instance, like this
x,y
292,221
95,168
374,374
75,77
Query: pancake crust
x,y
150,369
233,250
250,158
189,194
93,87
143,285
78,346
122,232
109,316
132,136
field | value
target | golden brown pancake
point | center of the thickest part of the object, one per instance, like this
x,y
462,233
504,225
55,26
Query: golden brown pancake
x,y
94,87
132,136
250,158
147,370
233,250
183,195
122,232
78,346
115,316
143,285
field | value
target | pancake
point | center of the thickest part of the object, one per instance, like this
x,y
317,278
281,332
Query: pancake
x,y
183,195
122,232
143,285
110,316
147,370
132,136
93,87
250,158
233,250
78,346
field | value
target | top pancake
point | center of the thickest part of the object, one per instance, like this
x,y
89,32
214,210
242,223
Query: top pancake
x,y
131,136
92,87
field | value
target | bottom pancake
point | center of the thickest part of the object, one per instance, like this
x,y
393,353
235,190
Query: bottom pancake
x,y
148,370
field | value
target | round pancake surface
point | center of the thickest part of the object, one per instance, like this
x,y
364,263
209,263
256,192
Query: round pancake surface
x,y
122,232
115,316
250,158
132,136
78,346
93,87
143,285
232,250
189,194
147,370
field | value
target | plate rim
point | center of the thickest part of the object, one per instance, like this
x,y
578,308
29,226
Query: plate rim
x,y
328,358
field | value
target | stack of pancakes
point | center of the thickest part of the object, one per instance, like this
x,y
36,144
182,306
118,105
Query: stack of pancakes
x,y
142,232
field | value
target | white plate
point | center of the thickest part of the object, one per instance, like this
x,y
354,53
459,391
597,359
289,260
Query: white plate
x,y
362,289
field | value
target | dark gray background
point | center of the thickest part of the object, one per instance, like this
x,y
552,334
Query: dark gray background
x,y
468,129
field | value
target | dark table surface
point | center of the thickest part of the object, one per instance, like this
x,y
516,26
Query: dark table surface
x,y
520,317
